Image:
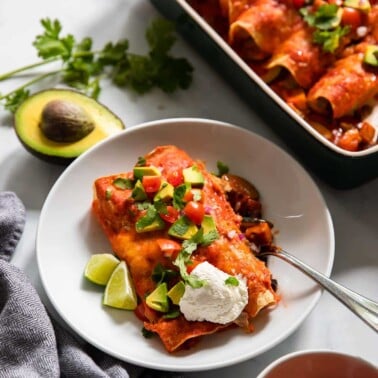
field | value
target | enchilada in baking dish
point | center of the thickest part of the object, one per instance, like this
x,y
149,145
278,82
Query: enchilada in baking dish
x,y
192,237
320,57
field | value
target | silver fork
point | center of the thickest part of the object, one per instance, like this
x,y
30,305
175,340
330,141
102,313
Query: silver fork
x,y
364,308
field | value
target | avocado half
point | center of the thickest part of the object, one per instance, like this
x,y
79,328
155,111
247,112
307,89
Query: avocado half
x,y
30,131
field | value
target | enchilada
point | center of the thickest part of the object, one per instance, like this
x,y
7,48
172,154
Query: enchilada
x,y
121,210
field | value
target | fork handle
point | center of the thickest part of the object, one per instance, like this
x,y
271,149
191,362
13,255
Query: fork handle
x,y
363,307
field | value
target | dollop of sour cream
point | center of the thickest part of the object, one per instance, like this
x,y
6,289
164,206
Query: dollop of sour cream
x,y
220,300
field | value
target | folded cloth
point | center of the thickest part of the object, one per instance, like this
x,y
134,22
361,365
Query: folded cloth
x,y
32,343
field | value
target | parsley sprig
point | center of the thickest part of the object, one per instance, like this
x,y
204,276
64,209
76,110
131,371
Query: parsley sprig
x,y
83,68
327,23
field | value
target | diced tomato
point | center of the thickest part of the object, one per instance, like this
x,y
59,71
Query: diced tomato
x,y
172,214
144,313
350,140
367,132
195,211
351,17
175,178
151,184
190,194
139,312
298,3
169,247
190,267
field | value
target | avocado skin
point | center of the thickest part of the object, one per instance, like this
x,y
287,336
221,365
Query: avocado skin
x,y
57,160
49,151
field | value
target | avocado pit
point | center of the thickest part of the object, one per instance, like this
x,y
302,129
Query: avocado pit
x,y
65,122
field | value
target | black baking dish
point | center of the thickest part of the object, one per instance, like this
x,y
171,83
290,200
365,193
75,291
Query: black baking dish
x,y
339,168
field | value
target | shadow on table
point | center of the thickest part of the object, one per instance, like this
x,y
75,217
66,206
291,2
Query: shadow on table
x,y
30,178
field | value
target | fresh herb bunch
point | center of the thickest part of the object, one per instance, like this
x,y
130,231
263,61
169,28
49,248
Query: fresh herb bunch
x,y
83,68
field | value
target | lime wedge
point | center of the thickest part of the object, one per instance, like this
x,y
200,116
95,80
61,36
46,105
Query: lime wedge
x,y
100,267
119,291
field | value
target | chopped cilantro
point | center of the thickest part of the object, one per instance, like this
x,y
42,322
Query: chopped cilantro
x,y
222,169
147,219
161,274
232,281
143,206
161,207
188,247
147,334
330,39
123,183
178,195
141,161
327,23
172,314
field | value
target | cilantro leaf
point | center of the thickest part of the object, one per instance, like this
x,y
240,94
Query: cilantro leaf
x,y
327,23
147,219
174,73
114,54
181,262
178,195
188,247
222,168
160,36
15,99
123,183
330,39
147,333
50,44
232,281
326,17
161,207
141,162
136,73
161,274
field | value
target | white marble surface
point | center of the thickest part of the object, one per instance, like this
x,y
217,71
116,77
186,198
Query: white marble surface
x,y
354,212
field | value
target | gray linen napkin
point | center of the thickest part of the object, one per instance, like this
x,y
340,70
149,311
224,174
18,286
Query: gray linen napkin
x,y
32,344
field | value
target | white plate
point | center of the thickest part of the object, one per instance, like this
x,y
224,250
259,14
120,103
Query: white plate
x,y
68,235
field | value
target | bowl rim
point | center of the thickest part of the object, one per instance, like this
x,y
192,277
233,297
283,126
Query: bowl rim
x,y
305,352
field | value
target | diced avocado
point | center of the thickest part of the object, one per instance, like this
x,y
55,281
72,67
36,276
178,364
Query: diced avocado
x,y
183,229
156,224
158,299
363,5
371,55
138,192
176,292
139,172
165,192
193,176
208,224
